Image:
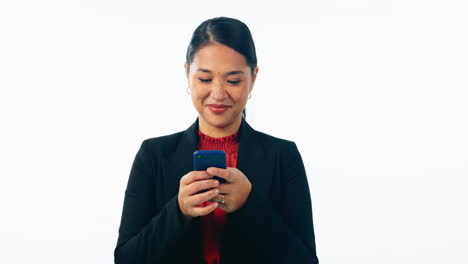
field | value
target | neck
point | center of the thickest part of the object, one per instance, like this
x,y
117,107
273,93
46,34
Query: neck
x,y
218,132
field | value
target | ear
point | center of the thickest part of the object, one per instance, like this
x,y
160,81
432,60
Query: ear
x,y
186,70
186,66
254,77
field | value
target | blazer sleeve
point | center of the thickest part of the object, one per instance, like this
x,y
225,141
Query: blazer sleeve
x,y
145,233
293,238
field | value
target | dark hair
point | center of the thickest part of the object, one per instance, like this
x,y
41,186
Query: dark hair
x,y
227,31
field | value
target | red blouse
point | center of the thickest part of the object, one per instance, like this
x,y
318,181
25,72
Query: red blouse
x,y
213,223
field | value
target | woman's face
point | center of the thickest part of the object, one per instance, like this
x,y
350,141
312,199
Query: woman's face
x,y
220,81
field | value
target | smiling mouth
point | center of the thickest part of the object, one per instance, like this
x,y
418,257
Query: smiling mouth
x,y
218,108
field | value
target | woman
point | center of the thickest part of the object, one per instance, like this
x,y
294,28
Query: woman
x,y
261,214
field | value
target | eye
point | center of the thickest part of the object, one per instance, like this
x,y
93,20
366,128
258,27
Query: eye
x,y
234,82
204,80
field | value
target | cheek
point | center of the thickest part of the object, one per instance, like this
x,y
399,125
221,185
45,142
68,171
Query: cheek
x,y
240,92
199,92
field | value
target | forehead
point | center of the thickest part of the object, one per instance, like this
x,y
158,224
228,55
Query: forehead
x,y
219,58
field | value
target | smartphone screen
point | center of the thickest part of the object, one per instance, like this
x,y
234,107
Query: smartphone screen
x,y
203,159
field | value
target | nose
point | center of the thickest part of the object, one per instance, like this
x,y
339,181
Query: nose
x,y
218,91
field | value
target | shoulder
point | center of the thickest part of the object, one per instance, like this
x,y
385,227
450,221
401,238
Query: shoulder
x,y
273,143
284,152
270,144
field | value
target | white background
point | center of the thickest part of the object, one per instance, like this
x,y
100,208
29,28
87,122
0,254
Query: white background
x,y
374,93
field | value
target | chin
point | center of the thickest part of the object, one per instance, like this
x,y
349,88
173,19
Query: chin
x,y
219,121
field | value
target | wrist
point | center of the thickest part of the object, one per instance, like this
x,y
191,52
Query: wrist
x,y
182,216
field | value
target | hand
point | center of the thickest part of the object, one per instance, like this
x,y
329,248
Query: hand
x,y
235,191
190,196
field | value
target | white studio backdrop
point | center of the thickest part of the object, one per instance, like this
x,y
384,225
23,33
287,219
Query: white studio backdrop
x,y
374,93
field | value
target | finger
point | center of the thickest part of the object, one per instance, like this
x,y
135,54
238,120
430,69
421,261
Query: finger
x,y
225,189
218,198
202,185
201,211
197,199
223,173
197,187
194,176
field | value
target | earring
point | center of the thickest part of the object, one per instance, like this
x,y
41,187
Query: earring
x,y
250,95
188,90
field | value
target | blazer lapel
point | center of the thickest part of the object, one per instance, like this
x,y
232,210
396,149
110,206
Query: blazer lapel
x,y
180,162
251,155
255,163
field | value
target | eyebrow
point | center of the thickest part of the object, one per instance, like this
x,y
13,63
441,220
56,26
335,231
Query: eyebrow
x,y
229,73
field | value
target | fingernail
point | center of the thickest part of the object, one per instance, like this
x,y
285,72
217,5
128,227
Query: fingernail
x,y
215,183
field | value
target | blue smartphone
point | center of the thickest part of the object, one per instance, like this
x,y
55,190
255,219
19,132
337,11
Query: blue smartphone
x,y
203,159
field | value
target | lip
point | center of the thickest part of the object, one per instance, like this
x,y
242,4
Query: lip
x,y
218,108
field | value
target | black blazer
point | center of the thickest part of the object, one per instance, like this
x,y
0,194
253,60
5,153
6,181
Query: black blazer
x,y
274,226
